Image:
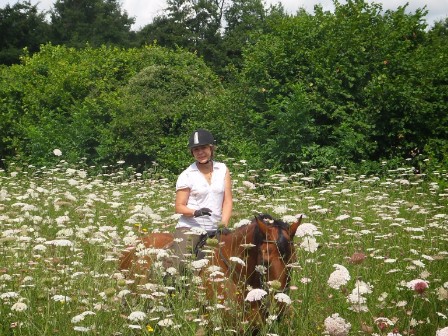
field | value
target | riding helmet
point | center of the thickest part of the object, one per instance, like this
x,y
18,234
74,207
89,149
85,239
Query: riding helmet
x,y
200,137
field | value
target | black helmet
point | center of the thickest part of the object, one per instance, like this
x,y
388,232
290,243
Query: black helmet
x,y
200,137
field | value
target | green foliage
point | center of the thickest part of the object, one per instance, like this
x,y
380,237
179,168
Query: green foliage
x,y
21,26
368,78
245,19
160,107
77,22
192,25
351,88
71,99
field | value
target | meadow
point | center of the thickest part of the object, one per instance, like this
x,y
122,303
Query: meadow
x,y
372,252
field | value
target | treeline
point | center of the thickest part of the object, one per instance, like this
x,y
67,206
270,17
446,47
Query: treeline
x,y
353,87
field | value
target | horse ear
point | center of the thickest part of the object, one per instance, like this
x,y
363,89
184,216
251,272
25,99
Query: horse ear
x,y
294,226
261,225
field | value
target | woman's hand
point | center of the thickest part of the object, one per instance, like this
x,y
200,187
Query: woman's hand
x,y
202,212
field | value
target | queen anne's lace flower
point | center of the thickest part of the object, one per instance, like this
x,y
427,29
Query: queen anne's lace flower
x,y
282,297
60,242
339,277
255,295
198,264
165,322
306,229
309,244
19,307
237,260
249,185
442,332
137,316
336,325
9,295
242,222
82,316
61,298
356,298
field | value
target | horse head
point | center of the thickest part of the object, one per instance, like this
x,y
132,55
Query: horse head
x,y
276,248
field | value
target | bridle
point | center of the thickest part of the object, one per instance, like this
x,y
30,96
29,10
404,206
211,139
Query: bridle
x,y
282,257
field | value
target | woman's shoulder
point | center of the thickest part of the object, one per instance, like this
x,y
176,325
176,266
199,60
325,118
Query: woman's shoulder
x,y
190,168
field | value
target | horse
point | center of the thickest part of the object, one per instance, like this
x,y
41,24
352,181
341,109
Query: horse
x,y
252,256
261,252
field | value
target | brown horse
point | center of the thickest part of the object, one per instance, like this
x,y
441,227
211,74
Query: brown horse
x,y
250,257
255,256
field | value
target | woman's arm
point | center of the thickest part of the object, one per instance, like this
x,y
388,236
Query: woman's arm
x,y
227,203
182,196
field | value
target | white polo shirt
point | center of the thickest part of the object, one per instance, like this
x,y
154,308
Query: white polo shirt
x,y
203,195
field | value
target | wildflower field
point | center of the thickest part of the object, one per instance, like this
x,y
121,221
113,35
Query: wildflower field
x,y
372,253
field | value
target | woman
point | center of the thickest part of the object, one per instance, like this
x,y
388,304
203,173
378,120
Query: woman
x,y
203,194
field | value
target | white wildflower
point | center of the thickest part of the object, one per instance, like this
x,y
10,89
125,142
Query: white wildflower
x,y
282,297
81,329
137,316
280,209
19,307
306,229
442,332
248,185
241,223
336,325
165,322
196,231
61,298
261,269
198,264
60,242
255,294
9,295
82,316
309,244
237,260
123,293
40,248
171,271
338,278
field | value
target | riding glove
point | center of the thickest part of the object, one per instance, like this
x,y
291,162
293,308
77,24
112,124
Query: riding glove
x,y
202,212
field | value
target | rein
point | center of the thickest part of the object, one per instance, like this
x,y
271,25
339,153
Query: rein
x,y
221,255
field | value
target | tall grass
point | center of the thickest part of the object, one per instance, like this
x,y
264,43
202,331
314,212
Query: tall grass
x,y
63,229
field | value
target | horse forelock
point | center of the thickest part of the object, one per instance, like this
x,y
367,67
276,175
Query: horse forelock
x,y
251,234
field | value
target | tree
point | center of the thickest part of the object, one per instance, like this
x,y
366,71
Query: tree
x,y
372,88
77,22
21,26
190,24
244,18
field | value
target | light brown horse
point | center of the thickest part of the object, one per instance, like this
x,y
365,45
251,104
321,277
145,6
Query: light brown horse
x,y
249,257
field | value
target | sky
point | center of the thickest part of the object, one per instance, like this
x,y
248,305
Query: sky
x,y
144,10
